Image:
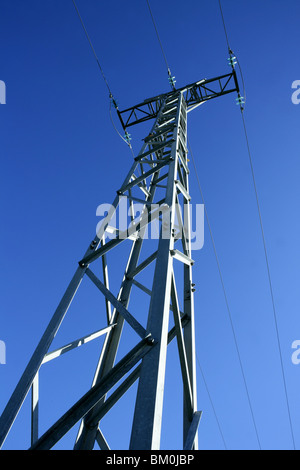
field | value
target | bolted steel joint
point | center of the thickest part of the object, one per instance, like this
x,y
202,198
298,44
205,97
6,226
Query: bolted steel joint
x,y
150,340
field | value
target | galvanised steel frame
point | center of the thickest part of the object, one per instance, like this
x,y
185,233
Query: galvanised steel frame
x,y
161,166
194,95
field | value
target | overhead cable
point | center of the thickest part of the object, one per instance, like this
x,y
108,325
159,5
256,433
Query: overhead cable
x,y
269,281
225,297
93,50
212,404
264,244
171,79
126,139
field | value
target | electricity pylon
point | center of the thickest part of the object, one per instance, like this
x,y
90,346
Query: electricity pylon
x,y
160,168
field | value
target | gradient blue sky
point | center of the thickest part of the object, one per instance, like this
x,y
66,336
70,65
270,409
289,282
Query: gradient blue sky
x,y
61,158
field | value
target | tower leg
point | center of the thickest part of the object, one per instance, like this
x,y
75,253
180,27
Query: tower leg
x,y
146,429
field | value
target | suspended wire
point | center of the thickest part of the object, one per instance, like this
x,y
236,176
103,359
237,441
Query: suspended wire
x,y
115,127
211,403
92,47
270,281
210,398
172,80
225,297
231,52
158,37
224,25
111,97
264,243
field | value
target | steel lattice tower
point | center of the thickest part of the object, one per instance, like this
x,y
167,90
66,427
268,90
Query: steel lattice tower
x,y
162,164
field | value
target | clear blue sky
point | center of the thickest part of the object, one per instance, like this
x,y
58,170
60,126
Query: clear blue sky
x,y
61,158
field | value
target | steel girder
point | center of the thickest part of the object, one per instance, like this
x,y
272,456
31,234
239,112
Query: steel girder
x,y
194,94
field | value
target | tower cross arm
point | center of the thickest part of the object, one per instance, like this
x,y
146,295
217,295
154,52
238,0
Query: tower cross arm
x,y
194,94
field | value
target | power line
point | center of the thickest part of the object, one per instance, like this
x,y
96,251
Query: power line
x,y
115,127
172,80
264,242
211,400
92,47
269,280
225,297
211,403
231,53
158,37
224,24
111,97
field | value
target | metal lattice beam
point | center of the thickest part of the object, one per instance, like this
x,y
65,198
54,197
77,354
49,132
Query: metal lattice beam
x,y
194,94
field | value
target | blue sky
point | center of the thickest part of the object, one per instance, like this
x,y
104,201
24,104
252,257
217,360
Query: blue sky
x,y
61,158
